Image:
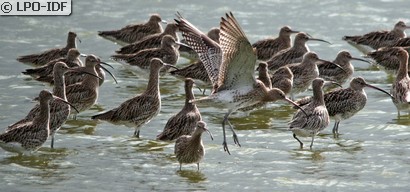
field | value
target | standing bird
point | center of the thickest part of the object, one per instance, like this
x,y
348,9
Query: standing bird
x,y
84,94
59,110
378,39
401,87
51,54
31,135
189,148
293,54
152,41
45,73
317,116
230,66
140,109
283,80
132,33
184,122
330,72
167,52
305,72
386,58
344,103
266,48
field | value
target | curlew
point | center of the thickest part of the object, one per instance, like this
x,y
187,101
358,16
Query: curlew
x,y
132,33
168,53
140,109
184,122
293,54
317,117
344,103
401,86
59,110
231,69
378,39
51,54
152,41
268,47
189,148
330,72
31,135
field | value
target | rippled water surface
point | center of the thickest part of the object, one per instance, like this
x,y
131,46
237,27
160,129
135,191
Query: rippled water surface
x,y
372,154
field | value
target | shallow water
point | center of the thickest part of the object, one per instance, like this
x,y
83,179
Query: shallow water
x,y
372,154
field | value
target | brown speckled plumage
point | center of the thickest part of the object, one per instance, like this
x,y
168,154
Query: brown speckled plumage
x,y
386,58
189,53
168,53
152,41
184,122
268,47
330,72
344,103
378,39
317,117
189,148
135,32
51,54
283,79
231,67
33,134
401,86
45,73
59,111
84,94
293,54
140,109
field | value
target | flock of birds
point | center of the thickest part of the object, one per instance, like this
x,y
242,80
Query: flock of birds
x,y
224,60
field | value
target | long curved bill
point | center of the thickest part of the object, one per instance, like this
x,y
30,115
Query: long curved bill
x,y
296,105
335,64
183,44
68,103
327,83
79,40
374,87
314,39
210,134
358,59
172,66
77,70
105,69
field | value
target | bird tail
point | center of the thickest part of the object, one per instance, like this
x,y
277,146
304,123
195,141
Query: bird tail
x,y
121,57
302,102
104,116
107,33
351,38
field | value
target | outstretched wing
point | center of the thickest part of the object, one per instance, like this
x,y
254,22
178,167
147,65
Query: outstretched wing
x,y
239,57
209,51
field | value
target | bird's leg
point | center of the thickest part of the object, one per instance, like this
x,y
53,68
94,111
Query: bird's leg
x,y
224,134
75,116
336,129
180,166
235,137
197,165
300,142
52,141
137,133
313,138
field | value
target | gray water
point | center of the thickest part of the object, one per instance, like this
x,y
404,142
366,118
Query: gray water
x,y
372,154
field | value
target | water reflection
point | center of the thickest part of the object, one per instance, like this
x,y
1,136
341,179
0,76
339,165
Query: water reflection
x,y
192,176
41,159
